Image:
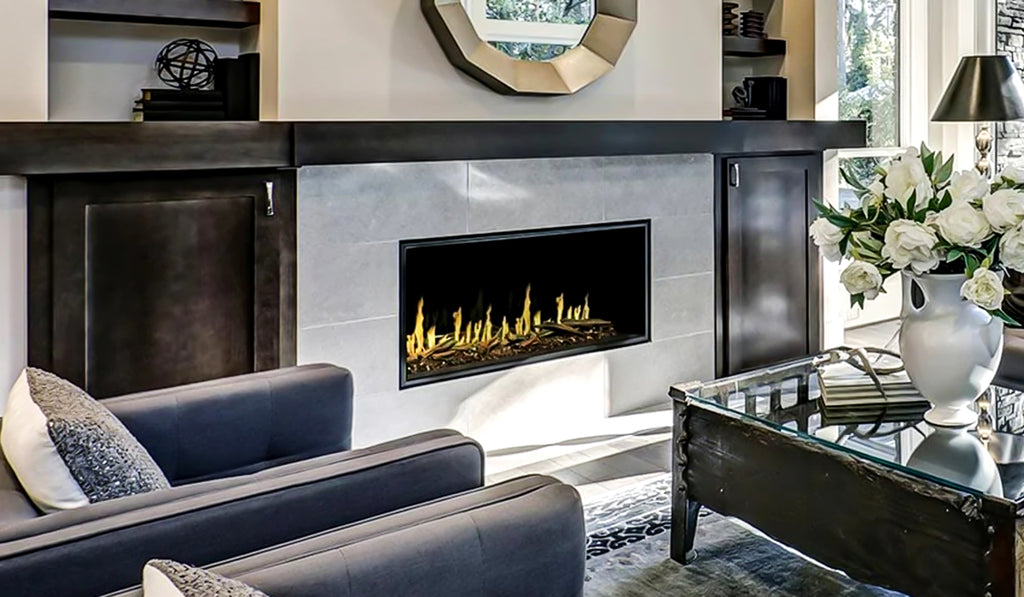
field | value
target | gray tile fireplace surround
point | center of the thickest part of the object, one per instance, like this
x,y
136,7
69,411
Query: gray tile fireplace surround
x,y
351,219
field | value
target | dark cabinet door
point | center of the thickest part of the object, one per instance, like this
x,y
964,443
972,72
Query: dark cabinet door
x,y
150,282
768,264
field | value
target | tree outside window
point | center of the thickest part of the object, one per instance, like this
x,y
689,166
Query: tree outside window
x,y
561,12
868,67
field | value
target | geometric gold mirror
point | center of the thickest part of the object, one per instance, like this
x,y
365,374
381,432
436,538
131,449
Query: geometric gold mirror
x,y
533,47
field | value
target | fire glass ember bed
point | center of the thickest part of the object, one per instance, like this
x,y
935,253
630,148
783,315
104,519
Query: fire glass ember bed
x,y
473,304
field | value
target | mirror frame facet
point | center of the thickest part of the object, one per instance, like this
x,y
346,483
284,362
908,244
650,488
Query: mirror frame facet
x,y
594,57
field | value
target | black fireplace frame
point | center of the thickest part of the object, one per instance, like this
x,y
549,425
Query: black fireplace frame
x,y
528,359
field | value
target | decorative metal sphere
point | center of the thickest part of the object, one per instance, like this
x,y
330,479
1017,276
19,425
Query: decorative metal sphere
x,y
186,64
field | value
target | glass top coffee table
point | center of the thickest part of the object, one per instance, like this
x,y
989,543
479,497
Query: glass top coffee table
x,y
876,493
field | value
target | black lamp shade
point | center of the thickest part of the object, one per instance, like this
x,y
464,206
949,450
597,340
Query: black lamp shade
x,y
983,89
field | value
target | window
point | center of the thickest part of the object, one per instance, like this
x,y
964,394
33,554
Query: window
x,y
538,30
869,67
869,64
869,83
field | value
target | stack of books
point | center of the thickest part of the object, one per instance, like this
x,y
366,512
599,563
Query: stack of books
x,y
172,104
851,396
235,95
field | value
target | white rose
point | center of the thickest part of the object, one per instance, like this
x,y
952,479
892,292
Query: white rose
x,y
984,289
908,243
877,188
968,185
961,224
905,177
827,236
862,277
1013,174
1004,209
1011,249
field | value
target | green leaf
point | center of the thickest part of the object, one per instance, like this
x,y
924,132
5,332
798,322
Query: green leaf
x,y
947,200
840,220
823,208
929,162
954,255
944,171
857,300
971,264
1006,318
910,204
850,180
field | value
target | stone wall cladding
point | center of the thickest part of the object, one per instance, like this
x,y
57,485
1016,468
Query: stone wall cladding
x,y
1010,41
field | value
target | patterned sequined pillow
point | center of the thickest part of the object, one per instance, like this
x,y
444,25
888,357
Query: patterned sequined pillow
x,y
67,449
164,578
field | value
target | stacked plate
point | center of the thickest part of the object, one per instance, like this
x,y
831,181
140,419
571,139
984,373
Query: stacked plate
x,y
752,24
729,16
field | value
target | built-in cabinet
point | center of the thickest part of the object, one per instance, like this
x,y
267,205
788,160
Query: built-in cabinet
x,y
146,281
768,290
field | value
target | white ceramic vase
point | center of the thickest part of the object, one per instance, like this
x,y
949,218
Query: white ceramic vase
x,y
957,455
950,347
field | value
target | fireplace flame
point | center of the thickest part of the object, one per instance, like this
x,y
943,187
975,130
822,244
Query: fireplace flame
x,y
481,335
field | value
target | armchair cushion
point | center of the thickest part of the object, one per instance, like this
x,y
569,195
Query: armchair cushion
x,y
239,425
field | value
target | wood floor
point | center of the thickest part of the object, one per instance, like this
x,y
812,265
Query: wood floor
x,y
601,464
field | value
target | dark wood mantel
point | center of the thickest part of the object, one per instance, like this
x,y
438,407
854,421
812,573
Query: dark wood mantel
x,y
74,148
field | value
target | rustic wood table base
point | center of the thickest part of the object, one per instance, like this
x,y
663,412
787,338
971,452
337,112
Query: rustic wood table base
x,y
878,524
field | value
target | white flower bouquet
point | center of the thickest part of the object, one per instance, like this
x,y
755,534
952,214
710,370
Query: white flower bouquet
x,y
917,216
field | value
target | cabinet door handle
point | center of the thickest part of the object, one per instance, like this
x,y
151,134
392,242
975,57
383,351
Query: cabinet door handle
x,y
270,199
734,175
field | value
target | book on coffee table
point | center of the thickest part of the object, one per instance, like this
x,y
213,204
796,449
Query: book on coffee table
x,y
850,396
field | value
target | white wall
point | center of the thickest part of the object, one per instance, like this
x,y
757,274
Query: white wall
x,y
13,282
23,59
377,59
22,97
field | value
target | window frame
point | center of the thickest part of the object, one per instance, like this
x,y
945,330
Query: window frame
x,y
903,107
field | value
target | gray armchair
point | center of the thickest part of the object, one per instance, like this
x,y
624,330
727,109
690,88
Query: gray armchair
x,y
521,538
255,461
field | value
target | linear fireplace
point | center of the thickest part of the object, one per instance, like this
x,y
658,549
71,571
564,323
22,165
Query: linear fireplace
x,y
473,304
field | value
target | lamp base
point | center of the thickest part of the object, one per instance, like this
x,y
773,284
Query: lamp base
x,y
983,142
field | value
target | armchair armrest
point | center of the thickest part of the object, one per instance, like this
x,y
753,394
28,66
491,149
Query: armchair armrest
x,y
241,424
101,548
520,538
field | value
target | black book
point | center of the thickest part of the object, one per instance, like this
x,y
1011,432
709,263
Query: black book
x,y
251,66
176,115
229,78
239,80
165,105
178,95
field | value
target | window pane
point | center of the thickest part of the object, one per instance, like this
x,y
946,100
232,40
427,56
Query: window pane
x,y
868,67
568,12
861,169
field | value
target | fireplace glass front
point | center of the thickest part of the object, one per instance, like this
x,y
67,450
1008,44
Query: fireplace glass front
x,y
473,304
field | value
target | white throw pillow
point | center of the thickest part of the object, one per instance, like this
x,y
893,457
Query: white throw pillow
x,y
67,449
164,578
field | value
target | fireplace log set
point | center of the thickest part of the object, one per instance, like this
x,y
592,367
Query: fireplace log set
x,y
482,340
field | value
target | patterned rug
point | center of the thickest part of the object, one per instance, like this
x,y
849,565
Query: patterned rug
x,y
627,556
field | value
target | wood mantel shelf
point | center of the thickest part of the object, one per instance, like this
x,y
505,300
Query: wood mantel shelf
x,y
232,14
72,148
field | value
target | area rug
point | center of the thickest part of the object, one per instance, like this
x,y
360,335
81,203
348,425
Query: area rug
x,y
628,546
